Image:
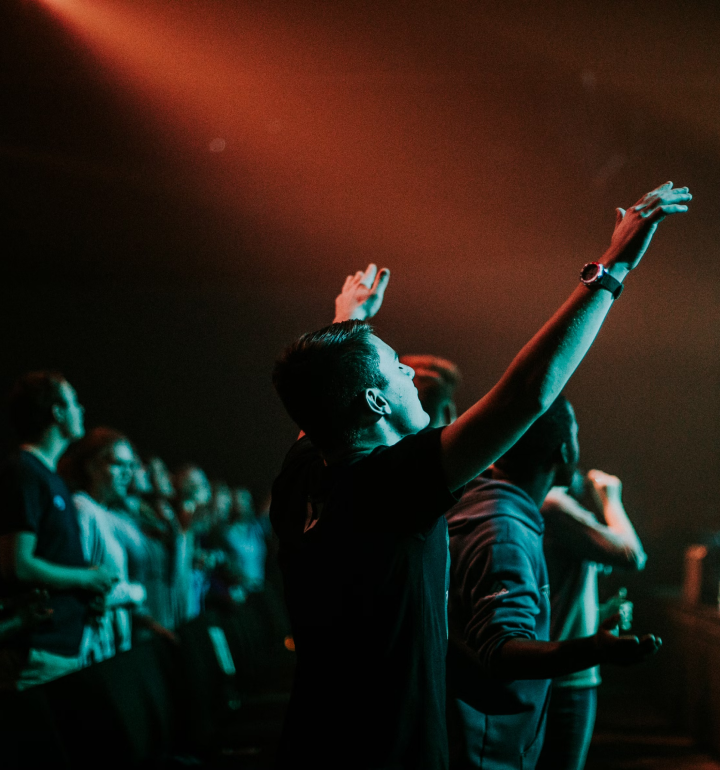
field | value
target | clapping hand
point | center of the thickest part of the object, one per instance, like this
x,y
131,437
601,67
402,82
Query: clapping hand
x,y
362,294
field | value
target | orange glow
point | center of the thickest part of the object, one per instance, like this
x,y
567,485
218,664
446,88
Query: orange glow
x,y
311,145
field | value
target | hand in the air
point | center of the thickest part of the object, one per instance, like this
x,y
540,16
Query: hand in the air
x,y
604,487
634,228
362,294
623,650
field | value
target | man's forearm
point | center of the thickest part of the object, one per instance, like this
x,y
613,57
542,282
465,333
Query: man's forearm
x,y
619,523
35,570
528,659
533,381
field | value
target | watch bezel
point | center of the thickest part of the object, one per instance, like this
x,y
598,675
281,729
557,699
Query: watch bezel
x,y
600,272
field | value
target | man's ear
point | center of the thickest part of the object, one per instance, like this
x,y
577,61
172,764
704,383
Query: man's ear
x,y
59,413
377,403
565,452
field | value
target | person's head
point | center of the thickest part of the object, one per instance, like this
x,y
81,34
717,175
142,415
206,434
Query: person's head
x,y
101,464
141,485
193,487
159,478
340,382
243,505
436,380
44,401
549,446
222,501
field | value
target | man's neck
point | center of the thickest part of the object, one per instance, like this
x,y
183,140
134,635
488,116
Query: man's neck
x,y
380,434
48,449
535,485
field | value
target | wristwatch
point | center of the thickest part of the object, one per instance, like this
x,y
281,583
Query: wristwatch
x,y
595,276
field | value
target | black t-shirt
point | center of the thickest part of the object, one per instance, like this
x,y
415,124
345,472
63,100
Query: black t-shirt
x,y
34,499
364,556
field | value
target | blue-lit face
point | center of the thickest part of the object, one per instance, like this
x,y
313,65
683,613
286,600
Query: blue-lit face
x,y
406,413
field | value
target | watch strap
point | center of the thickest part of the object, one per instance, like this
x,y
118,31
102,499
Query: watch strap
x,y
602,280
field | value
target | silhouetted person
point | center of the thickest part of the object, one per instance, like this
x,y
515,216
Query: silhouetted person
x,y
359,504
500,598
40,543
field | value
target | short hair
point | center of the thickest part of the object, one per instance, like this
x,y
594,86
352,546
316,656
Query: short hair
x,y
537,447
31,403
98,442
321,377
436,379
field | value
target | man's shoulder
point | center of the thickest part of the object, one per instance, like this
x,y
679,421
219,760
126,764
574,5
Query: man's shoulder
x,y
495,505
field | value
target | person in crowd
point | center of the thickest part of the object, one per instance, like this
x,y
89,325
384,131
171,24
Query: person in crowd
x,y
436,380
224,578
153,515
500,597
193,494
245,541
40,543
162,490
100,468
358,508
586,529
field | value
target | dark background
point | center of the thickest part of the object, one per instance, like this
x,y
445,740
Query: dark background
x,y
476,149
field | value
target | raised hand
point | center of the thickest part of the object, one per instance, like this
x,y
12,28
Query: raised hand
x,y
604,487
623,650
362,294
634,228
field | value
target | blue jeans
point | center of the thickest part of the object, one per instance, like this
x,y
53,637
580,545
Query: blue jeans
x,y
570,722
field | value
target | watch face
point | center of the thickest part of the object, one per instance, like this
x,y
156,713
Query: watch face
x,y
590,272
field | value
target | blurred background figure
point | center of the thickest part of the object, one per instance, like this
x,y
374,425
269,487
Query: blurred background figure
x,y
40,543
193,494
586,531
245,539
436,380
148,504
99,468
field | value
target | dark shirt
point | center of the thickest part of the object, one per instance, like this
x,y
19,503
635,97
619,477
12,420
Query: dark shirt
x,y
498,591
34,499
363,551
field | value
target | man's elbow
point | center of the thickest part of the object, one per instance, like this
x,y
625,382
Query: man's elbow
x,y
23,566
639,560
23,570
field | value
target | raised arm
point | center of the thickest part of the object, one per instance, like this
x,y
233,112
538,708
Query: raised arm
x,y
577,531
542,368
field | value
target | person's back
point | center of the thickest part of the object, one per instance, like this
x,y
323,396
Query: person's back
x,y
499,589
365,581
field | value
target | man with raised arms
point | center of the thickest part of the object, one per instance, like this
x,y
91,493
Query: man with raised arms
x,y
358,508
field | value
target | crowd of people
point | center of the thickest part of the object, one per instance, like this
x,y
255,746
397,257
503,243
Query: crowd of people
x,y
440,572
102,546
425,542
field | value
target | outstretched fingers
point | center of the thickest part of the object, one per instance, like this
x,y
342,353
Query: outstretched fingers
x,y
368,277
